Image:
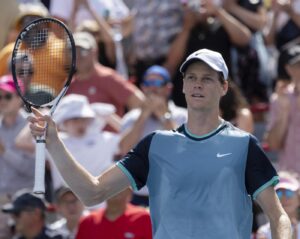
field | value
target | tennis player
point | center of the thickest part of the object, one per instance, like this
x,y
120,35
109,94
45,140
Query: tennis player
x,y
201,177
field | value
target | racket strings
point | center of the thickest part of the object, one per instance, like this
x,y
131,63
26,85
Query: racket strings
x,y
44,62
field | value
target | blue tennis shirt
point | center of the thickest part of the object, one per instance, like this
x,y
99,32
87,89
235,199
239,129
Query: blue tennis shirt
x,y
200,187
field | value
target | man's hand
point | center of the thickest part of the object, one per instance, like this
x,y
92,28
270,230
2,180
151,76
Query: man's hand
x,y
40,123
159,106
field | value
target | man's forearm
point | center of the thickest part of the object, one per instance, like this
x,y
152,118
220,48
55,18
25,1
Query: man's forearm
x,y
282,228
81,182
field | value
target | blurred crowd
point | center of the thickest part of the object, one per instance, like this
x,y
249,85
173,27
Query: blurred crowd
x,y
127,84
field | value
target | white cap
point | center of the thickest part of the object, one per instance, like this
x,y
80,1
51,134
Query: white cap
x,y
73,106
288,180
85,40
212,58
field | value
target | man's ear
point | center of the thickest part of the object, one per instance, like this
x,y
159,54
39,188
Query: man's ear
x,y
225,87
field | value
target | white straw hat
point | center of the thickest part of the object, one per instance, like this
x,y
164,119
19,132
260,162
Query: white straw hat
x,y
73,106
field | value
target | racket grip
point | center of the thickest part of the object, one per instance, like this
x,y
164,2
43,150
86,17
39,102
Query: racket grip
x,y
40,159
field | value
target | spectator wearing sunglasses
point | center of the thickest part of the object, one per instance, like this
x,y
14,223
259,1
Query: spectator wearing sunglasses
x,y
158,112
288,192
16,165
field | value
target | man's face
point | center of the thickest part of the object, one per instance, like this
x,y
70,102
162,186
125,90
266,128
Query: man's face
x,y
289,200
84,59
202,87
70,206
25,219
155,84
24,71
77,127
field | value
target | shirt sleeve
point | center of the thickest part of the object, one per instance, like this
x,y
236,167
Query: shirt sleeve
x,y
260,173
135,164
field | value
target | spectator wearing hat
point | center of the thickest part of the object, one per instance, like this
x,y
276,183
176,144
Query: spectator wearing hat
x,y
16,165
288,192
106,46
283,129
29,214
99,83
70,210
158,112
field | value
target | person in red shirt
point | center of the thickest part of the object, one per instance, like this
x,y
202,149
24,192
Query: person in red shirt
x,y
99,83
118,220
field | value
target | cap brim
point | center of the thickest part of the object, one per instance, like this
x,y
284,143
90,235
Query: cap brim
x,y
188,62
288,186
8,89
185,64
82,44
8,208
294,60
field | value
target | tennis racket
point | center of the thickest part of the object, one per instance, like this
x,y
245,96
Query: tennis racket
x,y
43,63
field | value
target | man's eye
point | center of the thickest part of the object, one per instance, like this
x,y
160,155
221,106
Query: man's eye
x,y
207,79
191,78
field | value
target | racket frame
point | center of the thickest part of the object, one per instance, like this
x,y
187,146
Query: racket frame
x,y
40,155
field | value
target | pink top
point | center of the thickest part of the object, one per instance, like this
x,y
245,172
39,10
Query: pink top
x,y
289,155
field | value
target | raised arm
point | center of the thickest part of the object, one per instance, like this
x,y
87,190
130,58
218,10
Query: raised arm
x,y
91,190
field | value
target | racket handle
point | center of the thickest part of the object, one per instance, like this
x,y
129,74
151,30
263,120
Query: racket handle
x,y
40,159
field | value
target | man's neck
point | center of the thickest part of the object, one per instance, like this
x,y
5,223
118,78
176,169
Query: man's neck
x,y
33,231
114,212
201,124
81,76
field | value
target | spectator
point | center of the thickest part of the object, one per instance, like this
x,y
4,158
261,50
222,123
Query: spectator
x,y
288,193
106,47
29,214
16,165
282,132
118,220
70,210
158,112
99,83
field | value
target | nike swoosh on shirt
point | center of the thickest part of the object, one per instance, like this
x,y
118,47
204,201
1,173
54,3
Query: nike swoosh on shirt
x,y
223,155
